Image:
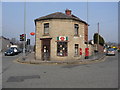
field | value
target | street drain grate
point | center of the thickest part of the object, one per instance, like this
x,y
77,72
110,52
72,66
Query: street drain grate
x,y
21,78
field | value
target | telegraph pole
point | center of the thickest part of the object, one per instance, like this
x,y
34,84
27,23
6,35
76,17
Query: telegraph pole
x,y
87,49
24,30
87,19
98,38
87,11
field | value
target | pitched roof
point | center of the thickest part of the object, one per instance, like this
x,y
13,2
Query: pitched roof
x,y
59,15
2,37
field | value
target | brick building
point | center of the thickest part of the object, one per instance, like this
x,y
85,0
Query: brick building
x,y
60,36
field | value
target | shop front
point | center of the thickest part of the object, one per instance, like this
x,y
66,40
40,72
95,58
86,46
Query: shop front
x,y
62,46
60,36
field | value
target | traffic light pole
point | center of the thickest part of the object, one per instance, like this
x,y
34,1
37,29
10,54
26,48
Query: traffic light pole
x,y
24,31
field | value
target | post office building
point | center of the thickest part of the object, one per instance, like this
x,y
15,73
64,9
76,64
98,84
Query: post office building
x,y
60,36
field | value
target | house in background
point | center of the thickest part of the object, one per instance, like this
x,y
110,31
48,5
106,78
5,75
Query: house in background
x,y
5,44
60,36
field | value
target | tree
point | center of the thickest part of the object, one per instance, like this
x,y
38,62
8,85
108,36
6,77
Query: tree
x,y
101,40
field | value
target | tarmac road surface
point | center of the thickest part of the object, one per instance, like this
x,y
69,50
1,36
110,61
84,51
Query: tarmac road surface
x,y
97,75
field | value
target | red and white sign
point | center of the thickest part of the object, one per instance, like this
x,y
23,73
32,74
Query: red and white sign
x,y
62,38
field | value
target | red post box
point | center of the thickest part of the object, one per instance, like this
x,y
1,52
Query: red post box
x,y
86,53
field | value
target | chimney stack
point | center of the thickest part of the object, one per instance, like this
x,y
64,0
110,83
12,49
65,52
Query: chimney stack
x,y
68,12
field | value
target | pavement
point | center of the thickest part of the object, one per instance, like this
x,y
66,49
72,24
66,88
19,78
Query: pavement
x,y
30,59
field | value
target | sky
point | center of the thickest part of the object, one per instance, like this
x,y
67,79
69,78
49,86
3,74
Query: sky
x,y
106,13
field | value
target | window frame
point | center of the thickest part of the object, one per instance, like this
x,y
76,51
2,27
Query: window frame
x,y
76,47
76,29
62,49
46,26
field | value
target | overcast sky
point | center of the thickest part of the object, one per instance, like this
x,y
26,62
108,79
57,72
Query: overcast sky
x,y
106,13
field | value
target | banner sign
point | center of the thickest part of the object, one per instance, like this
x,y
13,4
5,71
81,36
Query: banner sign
x,y
62,38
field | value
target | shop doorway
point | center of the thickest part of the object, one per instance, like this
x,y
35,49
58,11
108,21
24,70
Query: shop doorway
x,y
45,49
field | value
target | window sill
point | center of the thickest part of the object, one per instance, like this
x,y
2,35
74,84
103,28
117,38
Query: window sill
x,y
76,35
62,55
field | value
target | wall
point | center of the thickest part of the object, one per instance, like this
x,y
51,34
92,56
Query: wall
x,y
91,49
86,32
60,27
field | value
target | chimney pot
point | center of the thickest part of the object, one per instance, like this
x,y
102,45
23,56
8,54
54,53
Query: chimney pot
x,y
68,12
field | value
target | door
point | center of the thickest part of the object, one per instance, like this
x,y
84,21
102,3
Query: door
x,y
46,49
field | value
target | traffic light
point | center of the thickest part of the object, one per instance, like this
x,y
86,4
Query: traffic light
x,y
23,37
28,41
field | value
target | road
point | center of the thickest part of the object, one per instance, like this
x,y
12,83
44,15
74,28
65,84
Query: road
x,y
97,75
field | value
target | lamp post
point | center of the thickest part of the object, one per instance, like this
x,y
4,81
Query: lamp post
x,y
98,38
24,31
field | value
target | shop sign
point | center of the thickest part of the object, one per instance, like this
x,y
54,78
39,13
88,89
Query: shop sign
x,y
62,38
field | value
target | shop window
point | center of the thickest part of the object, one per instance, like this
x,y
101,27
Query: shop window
x,y
46,28
76,27
62,49
76,49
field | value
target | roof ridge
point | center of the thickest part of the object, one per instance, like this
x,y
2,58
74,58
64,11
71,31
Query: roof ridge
x,y
60,15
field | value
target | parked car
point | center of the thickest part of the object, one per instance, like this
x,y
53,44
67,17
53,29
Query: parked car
x,y
9,52
110,51
12,51
18,50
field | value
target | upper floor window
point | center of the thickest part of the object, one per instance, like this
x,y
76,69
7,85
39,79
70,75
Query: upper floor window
x,y
76,27
46,28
